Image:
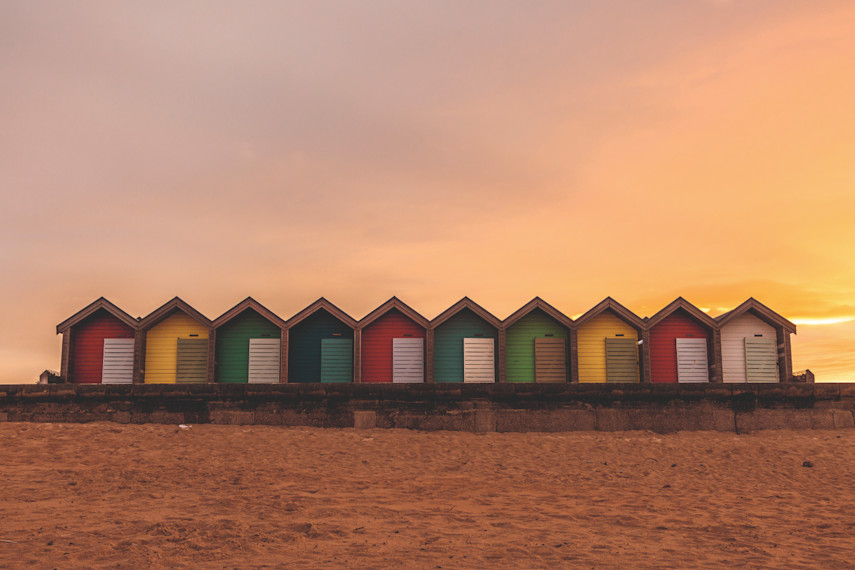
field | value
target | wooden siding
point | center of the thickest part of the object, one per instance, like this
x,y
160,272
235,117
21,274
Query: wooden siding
x,y
118,361
591,347
408,360
264,360
692,360
161,346
86,345
520,357
761,362
233,345
448,343
377,345
304,344
733,335
621,360
663,348
550,360
336,360
479,360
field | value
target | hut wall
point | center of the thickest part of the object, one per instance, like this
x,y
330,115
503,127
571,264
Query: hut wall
x,y
233,344
592,346
520,344
448,344
377,344
733,336
86,351
663,345
161,346
304,344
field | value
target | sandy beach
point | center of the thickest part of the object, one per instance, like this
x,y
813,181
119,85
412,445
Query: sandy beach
x,y
257,496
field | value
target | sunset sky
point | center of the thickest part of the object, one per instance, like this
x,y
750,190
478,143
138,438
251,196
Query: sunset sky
x,y
430,150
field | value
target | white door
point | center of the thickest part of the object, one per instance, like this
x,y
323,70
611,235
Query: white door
x,y
118,365
264,360
692,360
478,360
408,360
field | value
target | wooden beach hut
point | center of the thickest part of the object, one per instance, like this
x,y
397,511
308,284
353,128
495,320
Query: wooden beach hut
x,y
607,344
680,345
537,344
320,344
463,340
755,344
248,340
177,345
98,345
390,342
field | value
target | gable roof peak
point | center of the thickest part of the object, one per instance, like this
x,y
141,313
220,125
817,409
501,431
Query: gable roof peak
x,y
91,308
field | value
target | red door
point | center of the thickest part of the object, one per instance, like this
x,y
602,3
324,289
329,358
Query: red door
x,y
86,352
663,344
377,344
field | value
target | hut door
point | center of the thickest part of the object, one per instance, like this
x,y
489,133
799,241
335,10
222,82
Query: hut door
x,y
478,360
761,359
336,360
692,360
549,360
264,360
408,360
192,361
118,364
621,360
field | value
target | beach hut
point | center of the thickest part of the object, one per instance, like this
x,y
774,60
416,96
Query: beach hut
x,y
755,344
463,342
680,345
320,344
98,345
537,344
248,340
177,341
390,343
607,344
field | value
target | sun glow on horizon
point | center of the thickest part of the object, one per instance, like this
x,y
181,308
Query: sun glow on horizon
x,y
808,321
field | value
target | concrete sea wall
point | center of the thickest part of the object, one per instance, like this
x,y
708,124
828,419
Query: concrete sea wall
x,y
460,407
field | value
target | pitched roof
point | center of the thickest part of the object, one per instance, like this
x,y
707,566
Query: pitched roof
x,y
391,304
609,304
316,306
538,303
761,311
174,304
676,305
99,303
249,303
466,303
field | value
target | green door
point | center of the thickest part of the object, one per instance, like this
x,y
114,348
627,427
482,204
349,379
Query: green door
x,y
761,359
336,360
621,360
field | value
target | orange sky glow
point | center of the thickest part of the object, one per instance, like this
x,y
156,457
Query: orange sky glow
x,y
429,150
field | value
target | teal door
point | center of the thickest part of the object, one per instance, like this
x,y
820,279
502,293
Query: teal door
x,y
336,360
